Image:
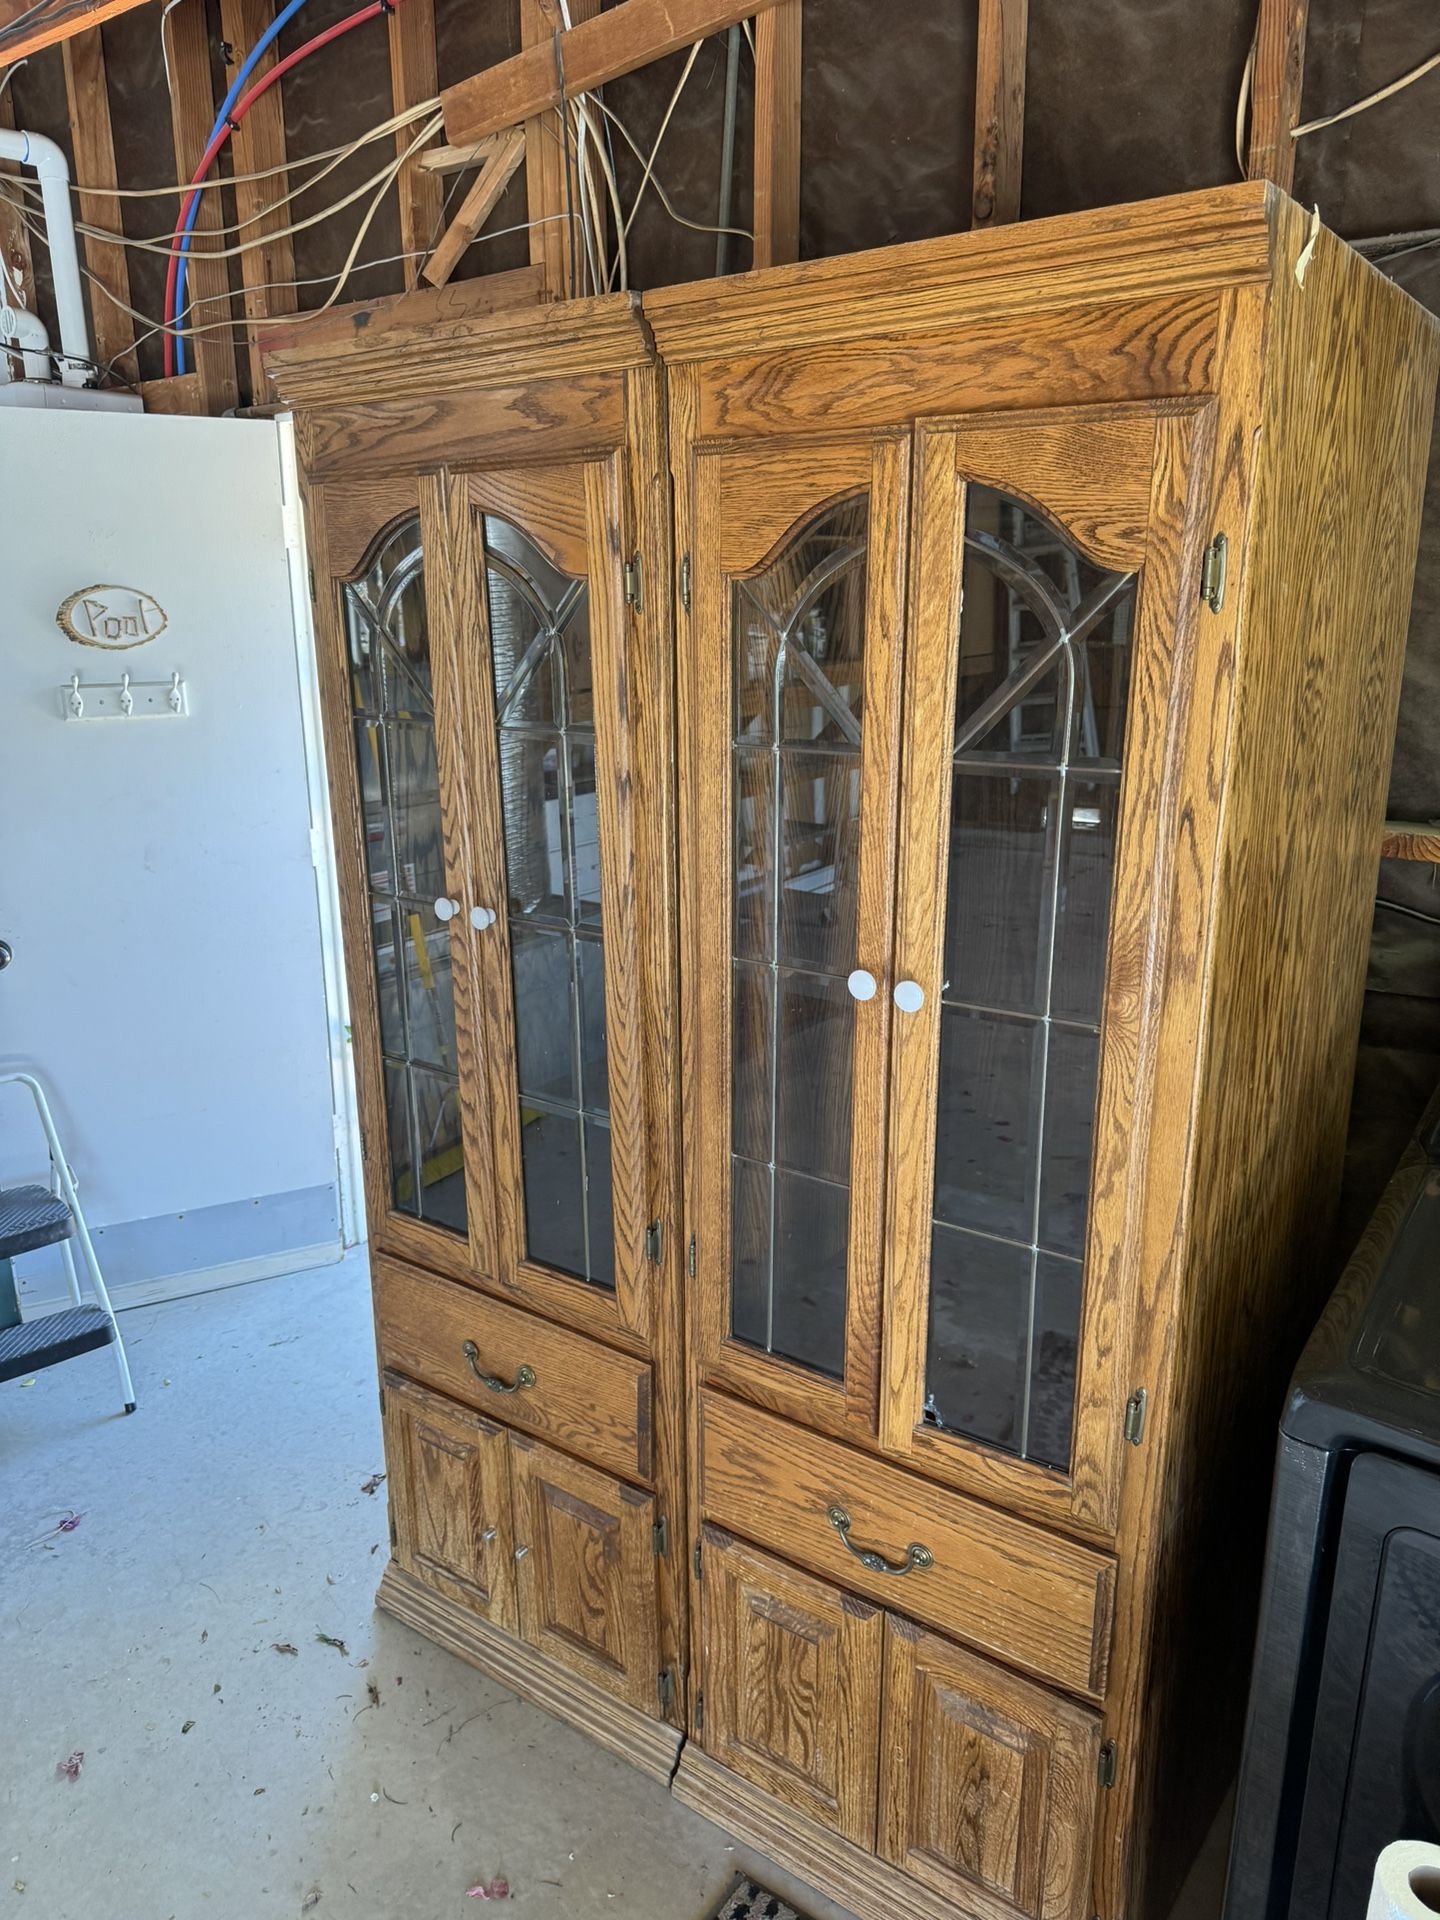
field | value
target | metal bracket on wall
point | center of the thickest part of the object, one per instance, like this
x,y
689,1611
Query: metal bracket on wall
x,y
1135,1408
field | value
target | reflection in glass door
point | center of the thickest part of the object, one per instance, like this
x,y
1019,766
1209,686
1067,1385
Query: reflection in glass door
x,y
388,646
798,638
545,725
1035,779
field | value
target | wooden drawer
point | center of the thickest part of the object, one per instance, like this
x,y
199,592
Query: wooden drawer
x,y
999,1583
587,1398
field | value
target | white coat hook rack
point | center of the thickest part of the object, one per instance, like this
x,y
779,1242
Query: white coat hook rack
x,y
124,699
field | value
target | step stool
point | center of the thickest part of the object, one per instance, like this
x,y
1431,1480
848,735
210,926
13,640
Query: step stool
x,y
36,1216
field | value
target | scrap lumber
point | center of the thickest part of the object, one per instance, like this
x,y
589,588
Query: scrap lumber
x,y
476,208
777,135
542,76
413,78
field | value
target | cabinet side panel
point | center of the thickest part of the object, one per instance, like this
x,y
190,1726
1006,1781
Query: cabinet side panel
x,y
1348,390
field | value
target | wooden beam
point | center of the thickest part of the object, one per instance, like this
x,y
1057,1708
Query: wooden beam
x,y
14,234
181,393
45,33
552,204
1410,840
777,135
444,160
1276,78
546,72
413,78
112,329
476,207
258,143
192,114
999,112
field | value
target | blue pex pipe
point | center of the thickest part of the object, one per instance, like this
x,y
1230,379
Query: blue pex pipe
x,y
281,19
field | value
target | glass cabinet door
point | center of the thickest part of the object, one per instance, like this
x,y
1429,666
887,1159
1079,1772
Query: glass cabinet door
x,y
406,934
797,588
1028,638
558,937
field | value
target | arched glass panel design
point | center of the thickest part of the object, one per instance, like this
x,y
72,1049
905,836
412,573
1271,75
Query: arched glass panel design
x,y
1039,734
545,723
394,724
798,637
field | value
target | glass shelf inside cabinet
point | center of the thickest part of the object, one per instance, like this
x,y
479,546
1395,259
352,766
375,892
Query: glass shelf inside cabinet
x,y
1043,686
540,654
394,723
798,646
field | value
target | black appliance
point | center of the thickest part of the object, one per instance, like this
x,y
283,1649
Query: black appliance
x,y
1342,1742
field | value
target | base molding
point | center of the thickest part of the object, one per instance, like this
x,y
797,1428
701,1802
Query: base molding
x,y
845,1873
649,1745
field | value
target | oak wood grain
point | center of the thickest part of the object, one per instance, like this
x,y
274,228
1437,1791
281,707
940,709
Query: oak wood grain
x,y
585,1398
548,502
585,1572
792,1679
575,417
449,1490
998,1583
988,1783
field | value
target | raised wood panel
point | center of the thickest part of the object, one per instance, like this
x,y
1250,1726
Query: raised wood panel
x,y
1145,251
584,1397
988,1784
576,416
1039,1601
548,503
791,1676
449,1487
1133,350
759,506
585,1572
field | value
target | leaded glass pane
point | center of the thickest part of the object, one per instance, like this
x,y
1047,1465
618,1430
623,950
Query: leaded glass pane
x,y
545,720
394,732
1039,733
798,656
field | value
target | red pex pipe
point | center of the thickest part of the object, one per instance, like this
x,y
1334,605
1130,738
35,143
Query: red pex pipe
x,y
242,107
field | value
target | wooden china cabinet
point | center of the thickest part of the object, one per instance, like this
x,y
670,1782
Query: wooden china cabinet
x,y
856,970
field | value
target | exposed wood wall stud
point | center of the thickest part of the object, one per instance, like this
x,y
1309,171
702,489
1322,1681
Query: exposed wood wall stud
x,y
999,111
777,135
112,329
192,114
258,143
555,243
14,235
414,77
1275,86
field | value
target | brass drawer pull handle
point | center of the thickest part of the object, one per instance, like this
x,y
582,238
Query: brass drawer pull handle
x,y
524,1378
917,1558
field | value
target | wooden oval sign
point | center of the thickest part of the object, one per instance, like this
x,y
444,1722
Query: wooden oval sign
x,y
114,617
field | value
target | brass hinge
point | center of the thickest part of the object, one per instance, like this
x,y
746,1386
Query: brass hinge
x,y
1135,1416
696,1560
690,1258
311,572
685,581
1105,1767
392,1533
1212,573
382,1399
654,1241
665,1686
660,1537
634,581
699,1712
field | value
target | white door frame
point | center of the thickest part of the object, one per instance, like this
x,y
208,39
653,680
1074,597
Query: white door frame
x,y
346,1112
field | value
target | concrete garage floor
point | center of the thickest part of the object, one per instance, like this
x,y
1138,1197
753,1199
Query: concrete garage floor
x,y
222,1778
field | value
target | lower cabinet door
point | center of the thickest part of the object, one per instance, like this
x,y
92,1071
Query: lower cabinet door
x,y
791,1680
585,1571
450,1499
988,1782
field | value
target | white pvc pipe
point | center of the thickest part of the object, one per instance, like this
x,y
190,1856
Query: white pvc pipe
x,y
27,331
53,172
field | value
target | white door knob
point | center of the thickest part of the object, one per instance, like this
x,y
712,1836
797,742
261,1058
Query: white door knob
x,y
862,984
909,996
446,909
482,917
